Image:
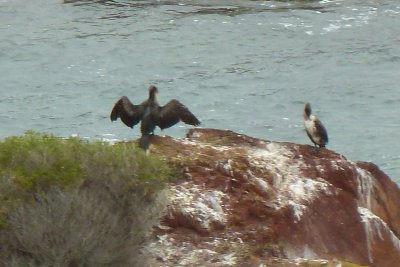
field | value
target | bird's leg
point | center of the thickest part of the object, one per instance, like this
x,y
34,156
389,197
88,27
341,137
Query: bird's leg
x,y
144,142
316,149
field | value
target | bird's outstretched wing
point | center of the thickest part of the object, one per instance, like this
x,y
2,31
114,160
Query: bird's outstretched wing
x,y
173,112
129,114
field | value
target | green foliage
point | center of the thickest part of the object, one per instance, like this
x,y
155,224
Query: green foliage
x,y
37,161
85,203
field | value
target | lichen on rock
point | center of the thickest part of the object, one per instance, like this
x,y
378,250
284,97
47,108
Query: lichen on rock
x,y
251,202
197,209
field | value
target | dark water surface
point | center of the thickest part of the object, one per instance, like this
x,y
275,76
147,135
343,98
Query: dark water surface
x,y
247,66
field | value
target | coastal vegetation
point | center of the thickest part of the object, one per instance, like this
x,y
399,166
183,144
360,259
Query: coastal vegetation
x,y
70,202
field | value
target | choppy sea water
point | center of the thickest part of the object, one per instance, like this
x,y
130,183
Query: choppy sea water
x,y
246,66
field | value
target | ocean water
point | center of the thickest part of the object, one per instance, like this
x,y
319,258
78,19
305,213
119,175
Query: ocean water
x,y
247,66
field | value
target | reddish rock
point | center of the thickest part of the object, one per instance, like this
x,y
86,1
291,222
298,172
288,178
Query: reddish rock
x,y
250,202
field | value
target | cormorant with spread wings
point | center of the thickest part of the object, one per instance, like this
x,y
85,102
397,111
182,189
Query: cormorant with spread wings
x,y
151,114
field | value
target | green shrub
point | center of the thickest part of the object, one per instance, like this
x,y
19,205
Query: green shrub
x,y
66,202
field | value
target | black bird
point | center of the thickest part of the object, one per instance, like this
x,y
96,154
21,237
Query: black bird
x,y
314,128
151,114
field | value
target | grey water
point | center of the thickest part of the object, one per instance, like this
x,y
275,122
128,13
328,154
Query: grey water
x,y
248,66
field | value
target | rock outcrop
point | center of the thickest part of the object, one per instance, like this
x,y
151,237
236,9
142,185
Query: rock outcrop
x,y
250,202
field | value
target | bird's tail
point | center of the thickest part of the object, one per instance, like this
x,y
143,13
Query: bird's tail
x,y
144,142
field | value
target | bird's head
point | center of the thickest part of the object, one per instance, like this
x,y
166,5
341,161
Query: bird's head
x,y
307,110
153,92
